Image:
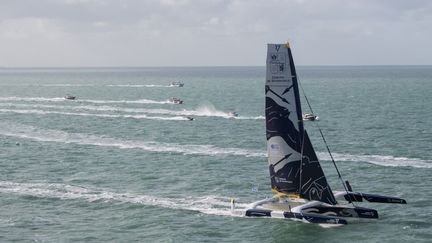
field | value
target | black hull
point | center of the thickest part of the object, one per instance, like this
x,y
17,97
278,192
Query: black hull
x,y
308,217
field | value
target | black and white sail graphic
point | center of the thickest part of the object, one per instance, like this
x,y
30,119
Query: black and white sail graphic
x,y
285,133
314,185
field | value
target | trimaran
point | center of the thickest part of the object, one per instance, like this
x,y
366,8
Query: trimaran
x,y
302,191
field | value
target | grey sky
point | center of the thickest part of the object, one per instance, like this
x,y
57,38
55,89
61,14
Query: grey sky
x,y
57,33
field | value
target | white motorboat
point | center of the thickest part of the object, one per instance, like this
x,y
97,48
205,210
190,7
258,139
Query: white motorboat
x,y
70,97
232,114
310,117
175,101
176,84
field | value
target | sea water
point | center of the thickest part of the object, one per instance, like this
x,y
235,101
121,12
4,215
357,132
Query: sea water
x,y
121,163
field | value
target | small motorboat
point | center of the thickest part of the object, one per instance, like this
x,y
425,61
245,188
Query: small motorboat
x,y
70,97
232,114
176,84
189,118
310,117
176,100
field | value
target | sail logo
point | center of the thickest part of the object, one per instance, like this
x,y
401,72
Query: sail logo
x,y
277,47
277,68
282,180
275,147
277,57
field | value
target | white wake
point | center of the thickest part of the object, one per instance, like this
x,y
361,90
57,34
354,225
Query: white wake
x,y
49,135
143,116
382,160
140,85
203,111
214,205
62,99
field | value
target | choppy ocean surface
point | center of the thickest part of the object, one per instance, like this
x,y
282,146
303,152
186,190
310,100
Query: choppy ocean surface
x,y
121,164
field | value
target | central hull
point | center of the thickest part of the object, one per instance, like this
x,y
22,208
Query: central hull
x,y
309,211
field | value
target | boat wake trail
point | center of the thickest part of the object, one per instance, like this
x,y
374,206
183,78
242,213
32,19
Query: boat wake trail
x,y
37,99
99,85
63,85
62,99
44,112
140,85
140,101
212,205
382,160
209,110
204,111
48,135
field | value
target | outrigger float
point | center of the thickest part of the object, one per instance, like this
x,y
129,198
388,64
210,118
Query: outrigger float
x,y
302,191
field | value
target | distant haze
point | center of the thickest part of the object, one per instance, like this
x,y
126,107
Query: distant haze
x,y
86,33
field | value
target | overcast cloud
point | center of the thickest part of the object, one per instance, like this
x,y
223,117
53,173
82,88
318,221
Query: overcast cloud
x,y
53,33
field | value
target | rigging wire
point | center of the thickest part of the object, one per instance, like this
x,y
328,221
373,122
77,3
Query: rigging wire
x,y
301,161
328,149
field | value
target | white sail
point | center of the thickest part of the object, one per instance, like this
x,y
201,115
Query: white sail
x,y
283,119
293,165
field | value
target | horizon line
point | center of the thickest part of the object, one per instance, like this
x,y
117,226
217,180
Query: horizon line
x,y
215,66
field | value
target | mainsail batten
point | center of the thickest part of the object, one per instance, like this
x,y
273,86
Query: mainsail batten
x,y
289,171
